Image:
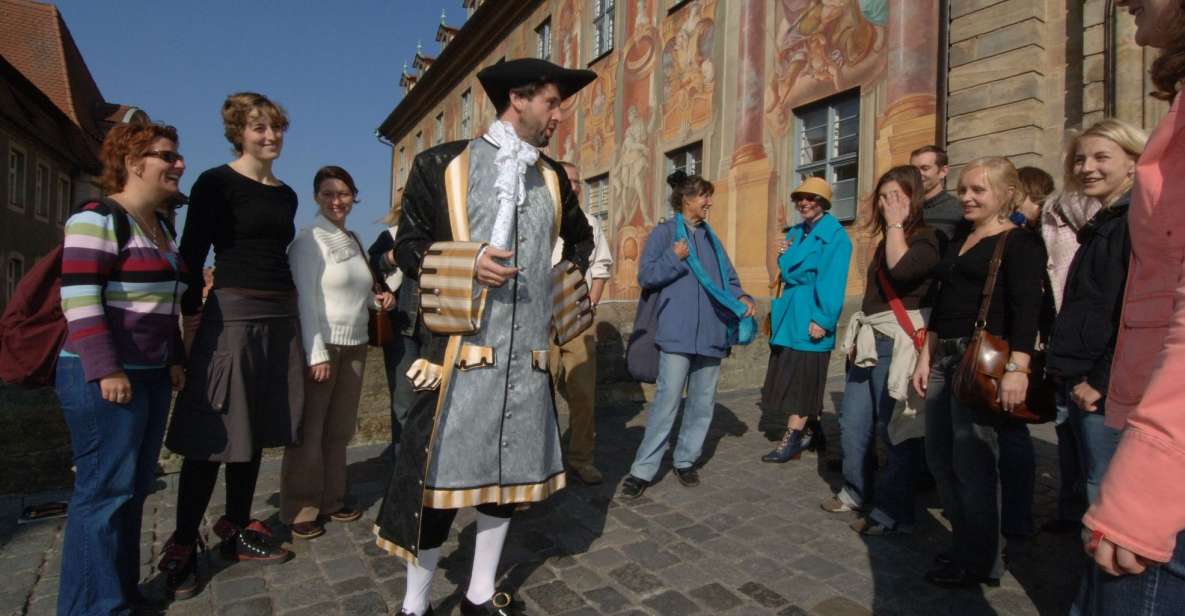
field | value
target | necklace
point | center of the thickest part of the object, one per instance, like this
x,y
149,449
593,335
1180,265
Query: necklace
x,y
153,232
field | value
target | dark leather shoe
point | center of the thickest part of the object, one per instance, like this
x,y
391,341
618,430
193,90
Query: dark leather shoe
x,y
688,476
633,487
501,604
406,613
952,576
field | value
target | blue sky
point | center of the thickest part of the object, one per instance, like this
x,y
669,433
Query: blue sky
x,y
333,65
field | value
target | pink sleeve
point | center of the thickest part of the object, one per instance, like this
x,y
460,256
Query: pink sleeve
x,y
1141,503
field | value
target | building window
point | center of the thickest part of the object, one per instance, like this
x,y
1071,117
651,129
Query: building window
x,y
466,115
543,40
598,200
688,159
64,198
602,23
827,145
16,269
438,136
419,142
17,170
41,192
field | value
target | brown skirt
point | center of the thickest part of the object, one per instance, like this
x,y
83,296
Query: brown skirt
x,y
244,388
795,382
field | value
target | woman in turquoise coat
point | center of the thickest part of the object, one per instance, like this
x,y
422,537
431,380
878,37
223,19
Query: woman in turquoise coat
x,y
813,265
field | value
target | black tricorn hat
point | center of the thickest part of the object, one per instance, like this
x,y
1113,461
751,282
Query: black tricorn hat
x,y
500,78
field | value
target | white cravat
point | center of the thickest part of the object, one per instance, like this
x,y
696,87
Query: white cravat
x,y
513,157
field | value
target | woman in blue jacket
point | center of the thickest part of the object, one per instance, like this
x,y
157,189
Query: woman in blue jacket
x,y
813,266
695,330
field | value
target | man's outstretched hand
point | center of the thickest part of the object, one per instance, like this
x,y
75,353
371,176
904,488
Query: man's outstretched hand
x,y
490,272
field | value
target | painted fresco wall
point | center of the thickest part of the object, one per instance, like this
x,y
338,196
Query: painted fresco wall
x,y
729,75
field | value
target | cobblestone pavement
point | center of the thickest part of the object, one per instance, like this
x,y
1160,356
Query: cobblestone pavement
x,y
750,540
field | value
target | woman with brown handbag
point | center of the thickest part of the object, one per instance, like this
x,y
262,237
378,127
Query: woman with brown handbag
x,y
882,342
336,292
963,444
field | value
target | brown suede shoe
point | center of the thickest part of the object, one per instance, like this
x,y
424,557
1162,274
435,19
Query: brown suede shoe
x,y
586,473
307,530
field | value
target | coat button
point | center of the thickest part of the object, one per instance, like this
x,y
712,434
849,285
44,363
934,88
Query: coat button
x,y
510,387
508,416
505,444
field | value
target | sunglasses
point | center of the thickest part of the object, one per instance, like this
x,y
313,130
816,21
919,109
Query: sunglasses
x,y
169,156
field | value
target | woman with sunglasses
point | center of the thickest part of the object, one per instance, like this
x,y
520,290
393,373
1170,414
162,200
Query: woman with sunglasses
x,y
245,388
813,265
121,284
1135,531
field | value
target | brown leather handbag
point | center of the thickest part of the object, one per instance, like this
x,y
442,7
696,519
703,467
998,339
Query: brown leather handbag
x,y
977,379
379,329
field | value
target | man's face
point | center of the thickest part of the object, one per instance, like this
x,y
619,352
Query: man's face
x,y
538,116
573,179
933,175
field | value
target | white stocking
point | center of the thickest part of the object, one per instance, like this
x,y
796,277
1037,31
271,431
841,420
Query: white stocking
x,y
419,581
487,551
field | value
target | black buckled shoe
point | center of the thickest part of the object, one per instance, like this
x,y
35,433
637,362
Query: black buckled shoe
x,y
501,604
633,487
251,543
687,476
179,565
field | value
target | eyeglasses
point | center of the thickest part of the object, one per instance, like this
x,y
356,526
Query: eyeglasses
x,y
169,156
336,196
804,200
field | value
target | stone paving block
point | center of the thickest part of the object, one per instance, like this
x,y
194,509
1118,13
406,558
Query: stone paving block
x,y
685,552
19,581
635,578
649,555
310,592
697,533
320,609
344,568
386,566
581,578
762,594
607,599
716,597
364,604
602,559
292,572
13,601
672,603
259,606
673,520
43,607
840,606
816,567
555,597
355,585
230,591
793,610
584,611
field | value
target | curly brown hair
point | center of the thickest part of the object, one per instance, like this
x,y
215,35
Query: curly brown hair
x,y
910,180
124,141
237,110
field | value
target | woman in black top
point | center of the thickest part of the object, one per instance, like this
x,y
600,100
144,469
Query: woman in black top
x,y
882,354
963,446
245,388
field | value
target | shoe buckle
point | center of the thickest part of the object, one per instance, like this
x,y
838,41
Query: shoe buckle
x,y
500,600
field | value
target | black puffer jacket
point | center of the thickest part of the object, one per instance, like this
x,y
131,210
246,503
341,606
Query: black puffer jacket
x,y
1083,342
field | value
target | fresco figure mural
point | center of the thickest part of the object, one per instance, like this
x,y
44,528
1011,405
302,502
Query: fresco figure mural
x,y
688,70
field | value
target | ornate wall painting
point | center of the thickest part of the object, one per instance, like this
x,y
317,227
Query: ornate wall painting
x,y
689,73
565,36
596,106
822,47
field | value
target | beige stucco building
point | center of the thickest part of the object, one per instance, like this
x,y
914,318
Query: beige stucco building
x,y
755,94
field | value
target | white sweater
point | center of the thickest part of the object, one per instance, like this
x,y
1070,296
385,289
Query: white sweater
x,y
334,284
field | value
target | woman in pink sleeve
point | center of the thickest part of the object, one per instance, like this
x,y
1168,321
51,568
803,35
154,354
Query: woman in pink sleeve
x,y
1134,532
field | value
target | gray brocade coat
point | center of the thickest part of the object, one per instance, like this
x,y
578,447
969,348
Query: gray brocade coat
x,y
493,438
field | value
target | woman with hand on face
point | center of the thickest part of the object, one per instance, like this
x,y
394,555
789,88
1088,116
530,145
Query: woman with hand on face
x,y
964,445
695,331
1135,530
336,292
882,343
813,264
245,387
121,284
1083,342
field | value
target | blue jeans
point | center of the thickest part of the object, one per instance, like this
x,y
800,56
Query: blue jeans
x,y
864,414
964,450
1096,445
1159,591
1018,478
1071,487
116,447
700,374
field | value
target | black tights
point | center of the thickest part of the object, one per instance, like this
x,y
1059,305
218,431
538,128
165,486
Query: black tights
x,y
437,522
196,486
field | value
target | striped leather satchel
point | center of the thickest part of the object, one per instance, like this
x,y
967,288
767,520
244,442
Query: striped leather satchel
x,y
451,300
571,307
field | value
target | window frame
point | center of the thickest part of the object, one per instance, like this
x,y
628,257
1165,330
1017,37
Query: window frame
x,y
17,181
543,40
10,281
64,197
831,159
670,165
419,141
604,27
465,120
597,201
41,191
438,128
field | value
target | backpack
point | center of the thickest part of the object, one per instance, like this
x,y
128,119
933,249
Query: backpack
x,y
33,328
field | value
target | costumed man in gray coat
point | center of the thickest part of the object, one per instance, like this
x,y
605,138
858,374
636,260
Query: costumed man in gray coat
x,y
482,429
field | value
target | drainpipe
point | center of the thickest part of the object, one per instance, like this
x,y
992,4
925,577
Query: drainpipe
x,y
943,72
1110,58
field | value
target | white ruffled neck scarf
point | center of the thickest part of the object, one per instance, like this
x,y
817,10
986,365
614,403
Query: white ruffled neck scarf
x,y
513,157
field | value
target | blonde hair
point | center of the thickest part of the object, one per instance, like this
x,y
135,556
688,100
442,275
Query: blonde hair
x,y
237,110
393,215
1001,176
1129,138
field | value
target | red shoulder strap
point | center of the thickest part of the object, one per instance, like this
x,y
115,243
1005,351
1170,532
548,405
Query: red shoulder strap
x,y
896,305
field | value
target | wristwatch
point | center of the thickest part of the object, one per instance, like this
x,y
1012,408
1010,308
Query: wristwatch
x,y
897,225
1015,367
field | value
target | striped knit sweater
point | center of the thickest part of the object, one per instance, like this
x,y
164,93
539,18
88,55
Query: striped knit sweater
x,y
121,306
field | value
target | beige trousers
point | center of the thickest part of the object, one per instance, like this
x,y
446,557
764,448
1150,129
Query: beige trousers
x,y
574,367
313,474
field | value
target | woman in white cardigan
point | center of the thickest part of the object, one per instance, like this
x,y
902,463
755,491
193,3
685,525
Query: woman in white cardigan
x,y
336,292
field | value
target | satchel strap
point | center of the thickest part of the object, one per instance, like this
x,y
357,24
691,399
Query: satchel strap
x,y
379,285
895,302
989,285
